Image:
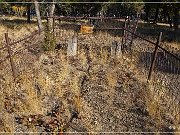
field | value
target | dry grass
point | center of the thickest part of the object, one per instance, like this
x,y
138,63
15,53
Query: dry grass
x,y
175,45
60,77
161,106
15,30
112,80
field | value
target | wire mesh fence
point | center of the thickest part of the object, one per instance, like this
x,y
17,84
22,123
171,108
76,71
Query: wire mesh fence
x,y
167,70
142,53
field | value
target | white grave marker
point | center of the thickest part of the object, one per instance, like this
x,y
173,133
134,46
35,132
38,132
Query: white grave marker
x,y
116,49
72,46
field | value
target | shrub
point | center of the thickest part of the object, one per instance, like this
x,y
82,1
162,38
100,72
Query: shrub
x,y
49,41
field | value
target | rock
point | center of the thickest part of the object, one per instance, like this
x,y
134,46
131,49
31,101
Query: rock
x,y
44,59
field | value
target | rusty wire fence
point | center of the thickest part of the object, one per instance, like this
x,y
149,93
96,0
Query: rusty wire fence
x,y
161,69
167,71
12,54
150,58
153,61
100,37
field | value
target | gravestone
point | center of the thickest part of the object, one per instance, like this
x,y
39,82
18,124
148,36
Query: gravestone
x,y
113,48
116,49
119,50
72,46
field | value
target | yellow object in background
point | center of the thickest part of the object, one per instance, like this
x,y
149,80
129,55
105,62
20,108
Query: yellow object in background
x,y
86,29
19,11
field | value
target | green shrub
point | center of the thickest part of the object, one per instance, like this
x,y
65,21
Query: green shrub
x,y
49,41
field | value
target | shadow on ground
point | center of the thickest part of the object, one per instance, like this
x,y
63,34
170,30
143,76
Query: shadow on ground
x,y
15,22
145,29
153,30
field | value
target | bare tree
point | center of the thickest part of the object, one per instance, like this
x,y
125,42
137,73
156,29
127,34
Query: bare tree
x,y
38,15
51,13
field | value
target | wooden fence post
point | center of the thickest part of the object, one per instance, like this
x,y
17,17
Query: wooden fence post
x,y
10,55
154,56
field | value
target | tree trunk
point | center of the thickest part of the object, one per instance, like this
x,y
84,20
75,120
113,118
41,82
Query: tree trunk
x,y
28,13
169,20
156,14
147,16
176,19
38,15
51,14
147,10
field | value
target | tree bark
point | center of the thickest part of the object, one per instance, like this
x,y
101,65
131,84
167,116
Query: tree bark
x,y
147,16
156,14
169,20
28,13
51,14
147,10
176,19
38,15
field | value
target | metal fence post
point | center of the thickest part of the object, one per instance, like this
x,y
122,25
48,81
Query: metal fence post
x,y
47,19
59,21
134,31
53,23
123,41
154,56
10,55
125,32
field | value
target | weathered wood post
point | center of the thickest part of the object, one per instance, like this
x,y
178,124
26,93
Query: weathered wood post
x,y
116,49
10,55
154,56
72,46
119,50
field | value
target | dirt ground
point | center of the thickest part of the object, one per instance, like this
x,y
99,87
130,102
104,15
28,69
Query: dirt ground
x,y
90,92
